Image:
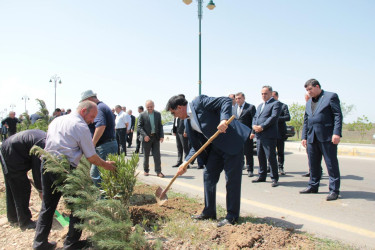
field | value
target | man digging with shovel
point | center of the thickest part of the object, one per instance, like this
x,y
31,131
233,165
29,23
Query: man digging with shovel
x,y
203,117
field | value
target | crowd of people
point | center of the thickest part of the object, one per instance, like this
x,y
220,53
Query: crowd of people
x,y
95,130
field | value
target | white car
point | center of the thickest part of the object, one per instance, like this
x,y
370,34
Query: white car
x,y
168,128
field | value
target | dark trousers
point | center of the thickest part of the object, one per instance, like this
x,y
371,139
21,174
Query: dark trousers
x,y
280,145
232,165
248,152
266,149
315,152
154,145
130,138
182,147
121,140
44,224
18,190
139,143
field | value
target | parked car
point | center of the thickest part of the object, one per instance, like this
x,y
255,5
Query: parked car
x,y
168,128
290,131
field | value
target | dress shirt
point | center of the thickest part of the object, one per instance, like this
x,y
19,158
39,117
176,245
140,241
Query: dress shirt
x,y
239,110
264,104
69,135
128,120
152,122
193,122
120,120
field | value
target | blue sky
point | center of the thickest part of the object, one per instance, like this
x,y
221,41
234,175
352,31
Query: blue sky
x,y
131,51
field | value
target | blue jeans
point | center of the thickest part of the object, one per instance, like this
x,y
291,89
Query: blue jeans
x,y
103,151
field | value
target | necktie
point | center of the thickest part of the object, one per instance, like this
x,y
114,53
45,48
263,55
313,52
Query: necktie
x,y
239,111
261,110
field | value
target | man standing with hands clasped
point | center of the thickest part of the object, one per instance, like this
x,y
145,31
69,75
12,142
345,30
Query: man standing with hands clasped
x,y
203,117
321,134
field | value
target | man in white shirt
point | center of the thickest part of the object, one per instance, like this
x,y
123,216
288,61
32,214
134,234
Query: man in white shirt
x,y
121,124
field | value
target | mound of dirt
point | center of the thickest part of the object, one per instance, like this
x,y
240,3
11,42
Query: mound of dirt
x,y
263,236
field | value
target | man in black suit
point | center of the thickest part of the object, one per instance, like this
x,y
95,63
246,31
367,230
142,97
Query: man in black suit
x,y
131,130
265,128
151,130
245,113
321,134
181,140
138,140
281,132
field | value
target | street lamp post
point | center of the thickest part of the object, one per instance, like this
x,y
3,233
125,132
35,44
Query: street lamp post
x,y
26,98
210,6
55,78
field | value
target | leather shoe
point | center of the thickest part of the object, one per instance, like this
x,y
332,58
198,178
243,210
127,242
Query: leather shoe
x,y
203,217
51,245
176,166
201,167
160,175
30,225
308,190
250,173
78,245
332,196
274,184
146,174
258,180
281,171
226,222
306,175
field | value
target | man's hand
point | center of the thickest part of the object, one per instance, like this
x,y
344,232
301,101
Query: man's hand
x,y
181,169
147,138
161,140
185,134
252,136
304,143
109,165
222,126
257,128
335,139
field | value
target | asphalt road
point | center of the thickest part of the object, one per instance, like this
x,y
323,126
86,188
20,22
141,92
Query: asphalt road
x,y
349,219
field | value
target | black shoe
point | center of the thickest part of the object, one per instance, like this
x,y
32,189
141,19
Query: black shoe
x,y
226,222
281,171
203,217
308,190
136,151
176,166
306,175
274,184
48,246
201,167
30,225
78,245
332,196
250,173
129,146
258,180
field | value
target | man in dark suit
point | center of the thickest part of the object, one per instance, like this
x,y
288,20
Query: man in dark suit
x,y
151,130
265,128
139,141
281,132
245,113
131,130
203,117
181,140
321,134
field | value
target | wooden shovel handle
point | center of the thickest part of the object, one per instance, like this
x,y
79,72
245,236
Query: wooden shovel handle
x,y
198,153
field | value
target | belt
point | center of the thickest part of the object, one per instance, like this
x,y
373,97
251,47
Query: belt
x,y
152,134
105,141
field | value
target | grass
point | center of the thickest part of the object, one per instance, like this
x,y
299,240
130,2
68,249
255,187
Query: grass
x,y
328,244
3,208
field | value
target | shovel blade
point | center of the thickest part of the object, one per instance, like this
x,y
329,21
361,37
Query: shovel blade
x,y
161,196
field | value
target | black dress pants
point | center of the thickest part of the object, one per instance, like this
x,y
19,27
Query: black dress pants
x,y
182,147
248,152
44,224
121,140
280,145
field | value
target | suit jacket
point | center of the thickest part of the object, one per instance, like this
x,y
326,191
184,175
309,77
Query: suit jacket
x,y
247,114
133,122
268,119
144,125
178,126
325,121
283,118
209,111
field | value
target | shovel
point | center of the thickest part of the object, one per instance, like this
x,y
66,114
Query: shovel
x,y
160,194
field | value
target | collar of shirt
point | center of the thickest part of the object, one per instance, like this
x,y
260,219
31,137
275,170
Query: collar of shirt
x,y
193,122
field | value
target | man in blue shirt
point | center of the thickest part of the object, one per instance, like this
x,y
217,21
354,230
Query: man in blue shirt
x,y
103,132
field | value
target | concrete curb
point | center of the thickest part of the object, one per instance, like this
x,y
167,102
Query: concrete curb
x,y
344,149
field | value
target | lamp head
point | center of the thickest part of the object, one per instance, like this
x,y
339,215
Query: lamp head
x,y
187,2
60,82
211,5
50,80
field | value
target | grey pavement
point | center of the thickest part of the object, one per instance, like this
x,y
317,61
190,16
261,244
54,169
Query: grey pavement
x,y
349,219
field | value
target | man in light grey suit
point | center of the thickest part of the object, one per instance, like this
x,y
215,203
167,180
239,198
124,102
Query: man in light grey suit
x,y
151,130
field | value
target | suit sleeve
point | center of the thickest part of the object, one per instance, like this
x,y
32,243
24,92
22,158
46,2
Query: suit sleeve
x,y
254,120
304,128
221,104
284,115
336,110
273,117
141,124
161,131
252,112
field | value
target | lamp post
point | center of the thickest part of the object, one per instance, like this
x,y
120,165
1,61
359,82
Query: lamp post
x,y
210,6
26,98
55,78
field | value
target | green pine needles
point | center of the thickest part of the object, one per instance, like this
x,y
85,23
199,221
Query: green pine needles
x,y
108,220
120,184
